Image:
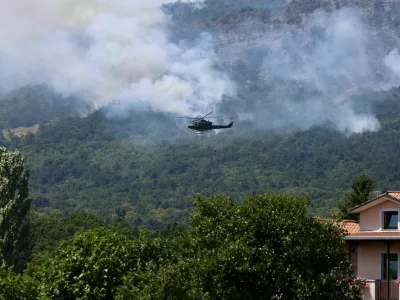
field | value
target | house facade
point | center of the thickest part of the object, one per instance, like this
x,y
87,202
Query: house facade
x,y
374,245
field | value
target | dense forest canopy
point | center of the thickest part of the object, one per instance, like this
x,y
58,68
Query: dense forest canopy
x,y
125,168
232,251
309,125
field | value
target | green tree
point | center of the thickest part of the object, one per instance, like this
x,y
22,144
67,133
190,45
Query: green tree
x,y
360,189
93,264
88,267
17,286
266,247
47,230
14,206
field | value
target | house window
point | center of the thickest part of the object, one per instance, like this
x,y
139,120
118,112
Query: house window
x,y
393,266
390,219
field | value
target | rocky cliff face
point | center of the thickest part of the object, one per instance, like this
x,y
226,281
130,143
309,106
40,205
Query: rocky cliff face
x,y
381,13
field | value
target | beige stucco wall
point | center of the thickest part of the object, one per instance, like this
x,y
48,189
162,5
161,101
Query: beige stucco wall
x,y
370,219
368,265
369,291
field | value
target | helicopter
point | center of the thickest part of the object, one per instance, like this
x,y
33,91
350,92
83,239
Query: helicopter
x,y
200,125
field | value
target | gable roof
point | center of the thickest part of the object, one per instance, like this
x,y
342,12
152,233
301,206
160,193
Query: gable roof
x,y
353,233
389,195
350,226
395,194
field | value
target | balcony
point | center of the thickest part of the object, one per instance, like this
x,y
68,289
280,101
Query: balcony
x,y
378,290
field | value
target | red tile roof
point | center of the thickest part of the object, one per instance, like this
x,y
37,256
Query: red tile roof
x,y
351,226
353,231
394,194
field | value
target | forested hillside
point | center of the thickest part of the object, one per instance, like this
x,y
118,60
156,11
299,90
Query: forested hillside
x,y
309,116
126,168
31,105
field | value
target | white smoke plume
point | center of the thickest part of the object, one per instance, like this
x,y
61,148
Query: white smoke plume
x,y
329,55
106,50
313,70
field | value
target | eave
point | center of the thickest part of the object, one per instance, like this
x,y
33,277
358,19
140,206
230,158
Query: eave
x,y
371,238
375,201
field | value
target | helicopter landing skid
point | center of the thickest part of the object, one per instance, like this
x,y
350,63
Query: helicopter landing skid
x,y
197,132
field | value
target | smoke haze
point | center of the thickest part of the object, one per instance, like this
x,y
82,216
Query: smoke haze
x,y
107,50
313,70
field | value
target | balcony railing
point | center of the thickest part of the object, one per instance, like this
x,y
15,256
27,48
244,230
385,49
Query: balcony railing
x,y
381,290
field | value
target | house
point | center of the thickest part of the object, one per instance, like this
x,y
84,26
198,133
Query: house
x,y
374,245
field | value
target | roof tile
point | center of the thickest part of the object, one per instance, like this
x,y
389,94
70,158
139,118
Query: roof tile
x,y
353,229
395,194
351,226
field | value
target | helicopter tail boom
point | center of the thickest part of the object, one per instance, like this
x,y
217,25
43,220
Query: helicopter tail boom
x,y
222,126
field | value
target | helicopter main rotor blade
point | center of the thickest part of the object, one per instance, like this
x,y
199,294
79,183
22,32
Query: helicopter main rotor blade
x,y
199,118
207,115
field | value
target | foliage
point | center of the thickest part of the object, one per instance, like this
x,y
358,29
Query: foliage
x,y
216,12
47,230
361,187
264,247
14,205
109,168
267,246
142,167
18,287
296,10
167,281
32,105
92,265
87,268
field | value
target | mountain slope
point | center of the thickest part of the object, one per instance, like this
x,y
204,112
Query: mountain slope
x,y
79,163
144,165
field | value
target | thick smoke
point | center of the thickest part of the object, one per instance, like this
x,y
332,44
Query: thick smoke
x,y
103,50
107,50
313,70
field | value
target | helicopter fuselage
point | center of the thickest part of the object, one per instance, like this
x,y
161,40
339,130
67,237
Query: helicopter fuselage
x,y
204,125
199,125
